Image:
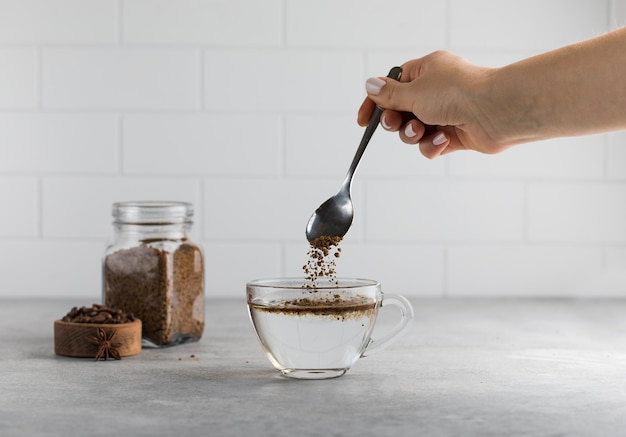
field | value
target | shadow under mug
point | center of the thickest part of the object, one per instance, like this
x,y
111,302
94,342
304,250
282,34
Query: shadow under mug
x,y
319,333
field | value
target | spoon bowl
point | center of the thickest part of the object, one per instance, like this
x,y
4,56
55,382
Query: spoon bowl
x,y
334,217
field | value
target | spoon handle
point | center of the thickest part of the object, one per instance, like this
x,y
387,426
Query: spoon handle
x,y
395,73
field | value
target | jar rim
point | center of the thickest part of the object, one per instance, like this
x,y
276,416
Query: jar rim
x,y
152,212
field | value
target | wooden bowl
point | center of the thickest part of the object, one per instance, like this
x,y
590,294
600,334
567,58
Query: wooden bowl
x,y
82,339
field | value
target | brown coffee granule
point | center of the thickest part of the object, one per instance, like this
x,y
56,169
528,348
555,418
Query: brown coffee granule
x,y
323,252
335,308
164,289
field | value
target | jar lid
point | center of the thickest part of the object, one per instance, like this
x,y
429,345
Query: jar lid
x,y
152,212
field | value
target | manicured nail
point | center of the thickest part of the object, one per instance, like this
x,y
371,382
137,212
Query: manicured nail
x,y
439,139
383,121
373,85
408,131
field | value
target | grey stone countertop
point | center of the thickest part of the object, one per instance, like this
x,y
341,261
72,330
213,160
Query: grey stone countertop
x,y
476,367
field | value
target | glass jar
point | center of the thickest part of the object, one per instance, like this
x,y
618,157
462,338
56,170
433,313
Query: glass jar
x,y
154,271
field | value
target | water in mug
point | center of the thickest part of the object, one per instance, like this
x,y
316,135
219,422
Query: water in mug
x,y
314,334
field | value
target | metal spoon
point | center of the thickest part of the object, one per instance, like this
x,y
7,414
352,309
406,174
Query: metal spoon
x,y
334,217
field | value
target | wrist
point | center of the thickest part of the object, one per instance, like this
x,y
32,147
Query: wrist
x,y
511,106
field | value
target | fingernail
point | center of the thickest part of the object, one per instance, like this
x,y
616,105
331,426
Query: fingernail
x,y
373,85
408,131
383,121
440,139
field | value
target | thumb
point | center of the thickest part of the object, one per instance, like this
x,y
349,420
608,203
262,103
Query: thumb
x,y
390,94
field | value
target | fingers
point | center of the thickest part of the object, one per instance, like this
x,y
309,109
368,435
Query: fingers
x,y
397,99
391,120
412,132
436,144
390,94
432,144
365,112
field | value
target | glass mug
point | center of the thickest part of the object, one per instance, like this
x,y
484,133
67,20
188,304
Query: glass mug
x,y
319,333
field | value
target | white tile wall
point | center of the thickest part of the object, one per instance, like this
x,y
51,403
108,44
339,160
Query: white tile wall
x,y
229,262
436,210
618,12
58,22
232,23
529,270
18,78
611,278
365,23
248,110
19,199
45,143
531,24
282,80
263,209
577,212
50,267
617,156
556,159
190,144
113,79
80,207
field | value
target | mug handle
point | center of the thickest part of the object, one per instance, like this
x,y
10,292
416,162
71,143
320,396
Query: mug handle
x,y
406,319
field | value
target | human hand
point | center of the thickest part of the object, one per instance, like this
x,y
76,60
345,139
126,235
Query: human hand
x,y
442,102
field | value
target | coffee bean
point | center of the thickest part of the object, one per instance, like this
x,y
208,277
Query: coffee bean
x,y
97,313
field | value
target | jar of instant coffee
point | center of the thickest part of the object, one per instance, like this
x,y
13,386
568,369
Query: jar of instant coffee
x,y
154,271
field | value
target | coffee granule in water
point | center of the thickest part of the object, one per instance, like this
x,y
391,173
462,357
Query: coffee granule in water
x,y
323,252
165,290
335,308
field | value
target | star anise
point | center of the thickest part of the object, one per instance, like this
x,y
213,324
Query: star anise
x,y
106,348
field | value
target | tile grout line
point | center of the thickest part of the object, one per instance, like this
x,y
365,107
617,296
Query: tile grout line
x,y
120,22
448,39
120,144
39,79
526,212
201,104
282,141
606,158
283,23
612,15
201,209
39,105
40,208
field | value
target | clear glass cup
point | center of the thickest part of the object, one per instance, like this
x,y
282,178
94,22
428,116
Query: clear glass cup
x,y
151,268
320,333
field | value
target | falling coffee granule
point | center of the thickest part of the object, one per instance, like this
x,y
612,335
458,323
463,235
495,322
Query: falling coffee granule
x,y
323,253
